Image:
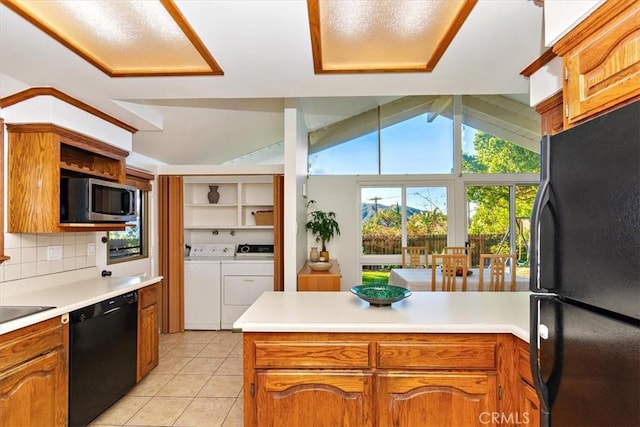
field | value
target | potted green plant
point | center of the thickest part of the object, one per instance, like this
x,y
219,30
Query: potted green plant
x,y
323,225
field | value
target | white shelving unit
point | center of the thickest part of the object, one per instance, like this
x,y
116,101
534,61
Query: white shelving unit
x,y
240,196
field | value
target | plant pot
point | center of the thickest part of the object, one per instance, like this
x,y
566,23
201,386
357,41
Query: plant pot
x,y
325,255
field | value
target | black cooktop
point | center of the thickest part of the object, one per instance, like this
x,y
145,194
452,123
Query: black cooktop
x,y
13,312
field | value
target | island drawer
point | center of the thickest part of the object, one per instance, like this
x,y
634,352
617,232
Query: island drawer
x,y
436,355
308,354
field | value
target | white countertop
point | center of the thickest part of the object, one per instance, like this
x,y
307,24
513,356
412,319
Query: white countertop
x,y
71,296
422,312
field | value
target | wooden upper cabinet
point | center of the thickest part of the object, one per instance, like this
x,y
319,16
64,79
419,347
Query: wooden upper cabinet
x,y
551,117
39,154
601,58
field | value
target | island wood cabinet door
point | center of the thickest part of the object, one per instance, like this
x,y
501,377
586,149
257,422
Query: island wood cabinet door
x,y
34,375
528,400
528,405
406,399
148,334
314,398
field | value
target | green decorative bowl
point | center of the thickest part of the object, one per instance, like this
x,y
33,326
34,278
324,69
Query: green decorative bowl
x,y
380,295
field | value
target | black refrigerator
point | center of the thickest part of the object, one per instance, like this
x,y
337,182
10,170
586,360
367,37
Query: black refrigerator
x,y
585,274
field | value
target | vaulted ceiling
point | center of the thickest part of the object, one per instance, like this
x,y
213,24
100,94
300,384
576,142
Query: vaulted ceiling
x,y
264,48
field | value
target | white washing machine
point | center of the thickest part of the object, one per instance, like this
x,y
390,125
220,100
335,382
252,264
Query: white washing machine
x,y
202,290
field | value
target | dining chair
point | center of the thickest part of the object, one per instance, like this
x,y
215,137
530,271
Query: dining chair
x,y
497,265
412,256
466,250
447,277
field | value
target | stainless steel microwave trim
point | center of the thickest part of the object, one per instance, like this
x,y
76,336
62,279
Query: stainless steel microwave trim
x,y
77,204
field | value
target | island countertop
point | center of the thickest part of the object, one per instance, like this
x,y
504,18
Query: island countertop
x,y
422,312
71,296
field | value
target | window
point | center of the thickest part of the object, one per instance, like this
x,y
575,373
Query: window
x,y
499,135
339,159
411,135
404,215
131,243
486,153
417,146
499,222
436,171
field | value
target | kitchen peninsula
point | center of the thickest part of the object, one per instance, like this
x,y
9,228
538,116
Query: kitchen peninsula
x,y
68,297
38,375
435,358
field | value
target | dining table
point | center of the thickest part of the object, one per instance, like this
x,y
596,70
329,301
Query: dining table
x,y
419,279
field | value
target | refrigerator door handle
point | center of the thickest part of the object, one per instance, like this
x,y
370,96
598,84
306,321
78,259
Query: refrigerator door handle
x,y
537,332
541,201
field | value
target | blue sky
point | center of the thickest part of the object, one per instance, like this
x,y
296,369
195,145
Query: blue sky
x,y
413,146
423,198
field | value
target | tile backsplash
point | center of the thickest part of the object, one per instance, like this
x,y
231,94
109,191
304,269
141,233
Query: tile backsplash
x,y
31,254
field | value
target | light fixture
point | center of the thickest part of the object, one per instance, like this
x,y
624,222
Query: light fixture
x,y
353,36
123,38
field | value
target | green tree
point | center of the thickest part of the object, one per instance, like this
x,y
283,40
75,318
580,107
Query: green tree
x,y
495,155
427,222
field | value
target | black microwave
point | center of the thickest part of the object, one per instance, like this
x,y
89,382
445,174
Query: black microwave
x,y
96,200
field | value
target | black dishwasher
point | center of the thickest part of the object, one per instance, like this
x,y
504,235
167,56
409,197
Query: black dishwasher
x,y
102,356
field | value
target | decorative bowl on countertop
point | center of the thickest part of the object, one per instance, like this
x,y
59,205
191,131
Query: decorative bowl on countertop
x,y
380,295
320,266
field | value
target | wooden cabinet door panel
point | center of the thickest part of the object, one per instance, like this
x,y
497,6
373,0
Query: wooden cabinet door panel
x,y
604,70
314,398
148,335
434,399
35,393
529,410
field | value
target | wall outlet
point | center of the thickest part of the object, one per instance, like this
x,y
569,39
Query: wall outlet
x,y
91,249
54,253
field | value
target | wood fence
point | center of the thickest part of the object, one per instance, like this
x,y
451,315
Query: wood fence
x,y
479,244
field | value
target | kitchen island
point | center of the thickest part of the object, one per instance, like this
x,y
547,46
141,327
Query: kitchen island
x,y
328,358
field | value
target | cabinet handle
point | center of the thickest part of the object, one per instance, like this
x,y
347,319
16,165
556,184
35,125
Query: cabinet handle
x,y
64,319
499,392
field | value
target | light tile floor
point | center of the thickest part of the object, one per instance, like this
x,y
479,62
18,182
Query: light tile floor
x,y
198,382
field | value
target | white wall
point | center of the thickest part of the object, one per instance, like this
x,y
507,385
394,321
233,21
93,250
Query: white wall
x,y
295,176
546,81
339,194
560,16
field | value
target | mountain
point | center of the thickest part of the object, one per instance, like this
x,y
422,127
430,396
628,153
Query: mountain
x,y
368,210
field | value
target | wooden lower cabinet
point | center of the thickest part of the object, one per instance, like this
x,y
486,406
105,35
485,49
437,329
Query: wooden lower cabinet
x,y
148,332
528,405
434,399
313,398
309,280
348,379
34,375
